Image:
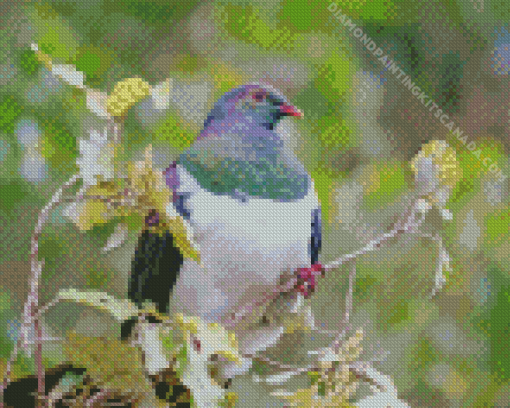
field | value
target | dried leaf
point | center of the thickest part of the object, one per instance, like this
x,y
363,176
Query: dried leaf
x,y
125,94
69,74
120,309
93,212
333,384
205,345
111,364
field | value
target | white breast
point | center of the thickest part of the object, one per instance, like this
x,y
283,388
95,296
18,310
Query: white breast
x,y
244,247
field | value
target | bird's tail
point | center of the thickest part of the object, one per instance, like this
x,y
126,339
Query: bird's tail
x,y
154,271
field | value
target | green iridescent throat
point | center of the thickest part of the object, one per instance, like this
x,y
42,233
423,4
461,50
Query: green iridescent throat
x,y
264,178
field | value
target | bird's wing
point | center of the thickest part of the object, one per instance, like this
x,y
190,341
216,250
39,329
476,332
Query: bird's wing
x,y
155,269
316,237
157,259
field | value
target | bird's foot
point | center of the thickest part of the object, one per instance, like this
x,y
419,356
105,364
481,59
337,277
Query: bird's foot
x,y
308,279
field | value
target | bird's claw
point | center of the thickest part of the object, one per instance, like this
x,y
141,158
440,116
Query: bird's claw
x,y
307,279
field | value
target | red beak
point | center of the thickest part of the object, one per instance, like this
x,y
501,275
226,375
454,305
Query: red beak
x,y
289,110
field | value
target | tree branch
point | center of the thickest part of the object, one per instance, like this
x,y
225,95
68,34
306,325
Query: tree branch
x,y
407,223
32,302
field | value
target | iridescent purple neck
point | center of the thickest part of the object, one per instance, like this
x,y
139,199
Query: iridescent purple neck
x,y
172,178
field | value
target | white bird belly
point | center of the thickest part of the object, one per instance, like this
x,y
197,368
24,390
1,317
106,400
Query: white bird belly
x,y
244,248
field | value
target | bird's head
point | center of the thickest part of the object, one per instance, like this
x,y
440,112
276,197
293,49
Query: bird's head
x,y
262,104
238,153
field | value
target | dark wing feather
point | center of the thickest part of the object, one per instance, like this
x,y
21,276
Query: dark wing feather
x,y
316,238
155,269
157,261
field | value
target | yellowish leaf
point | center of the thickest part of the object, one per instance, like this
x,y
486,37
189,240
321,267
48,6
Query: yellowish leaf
x,y
93,212
125,94
120,309
110,363
180,229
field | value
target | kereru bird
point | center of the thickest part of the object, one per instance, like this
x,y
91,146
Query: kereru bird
x,y
254,215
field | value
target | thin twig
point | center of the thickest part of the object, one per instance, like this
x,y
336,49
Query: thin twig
x,y
31,304
362,369
348,307
43,309
280,366
36,265
439,278
334,345
407,224
39,364
101,395
115,128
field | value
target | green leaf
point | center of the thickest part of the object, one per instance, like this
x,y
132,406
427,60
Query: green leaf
x,y
189,63
65,8
238,21
157,12
96,278
333,132
10,110
498,227
487,396
94,62
498,329
322,389
472,166
398,313
6,344
181,359
7,316
245,24
462,188
168,342
29,63
450,74
120,309
23,366
383,10
135,222
172,338
364,287
312,101
111,363
500,10
314,377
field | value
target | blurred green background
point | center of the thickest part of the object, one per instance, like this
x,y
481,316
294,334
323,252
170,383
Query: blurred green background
x,y
361,128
